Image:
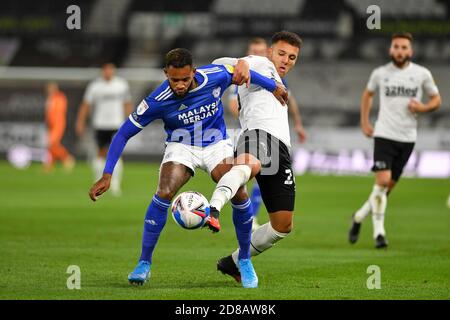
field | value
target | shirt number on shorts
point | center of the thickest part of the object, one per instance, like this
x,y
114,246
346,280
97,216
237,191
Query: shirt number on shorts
x,y
289,180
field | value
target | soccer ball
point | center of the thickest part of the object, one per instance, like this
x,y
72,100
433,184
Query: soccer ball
x,y
190,210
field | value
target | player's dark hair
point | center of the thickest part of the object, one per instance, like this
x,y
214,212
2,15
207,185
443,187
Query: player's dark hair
x,y
404,35
290,37
108,64
178,58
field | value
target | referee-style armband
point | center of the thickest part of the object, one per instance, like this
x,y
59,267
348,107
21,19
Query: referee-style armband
x,y
118,143
262,81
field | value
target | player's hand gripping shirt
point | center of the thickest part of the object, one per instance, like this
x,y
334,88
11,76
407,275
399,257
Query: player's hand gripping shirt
x,y
259,109
397,88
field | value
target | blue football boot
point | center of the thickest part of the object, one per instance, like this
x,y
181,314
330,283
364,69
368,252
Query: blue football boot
x,y
140,274
249,278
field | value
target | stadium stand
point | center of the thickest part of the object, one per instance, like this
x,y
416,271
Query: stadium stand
x,y
338,53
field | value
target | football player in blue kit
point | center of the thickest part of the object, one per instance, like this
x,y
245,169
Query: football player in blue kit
x,y
189,103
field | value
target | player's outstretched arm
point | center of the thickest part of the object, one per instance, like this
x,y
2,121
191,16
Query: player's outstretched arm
x,y
295,112
118,143
433,104
100,187
281,93
366,105
81,118
243,74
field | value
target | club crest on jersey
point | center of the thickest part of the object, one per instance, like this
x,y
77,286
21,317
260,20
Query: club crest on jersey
x,y
216,92
141,108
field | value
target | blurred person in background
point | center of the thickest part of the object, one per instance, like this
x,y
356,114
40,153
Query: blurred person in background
x,y
401,84
55,117
109,100
259,47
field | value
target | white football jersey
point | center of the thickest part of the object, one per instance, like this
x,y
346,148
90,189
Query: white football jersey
x,y
259,108
106,99
396,89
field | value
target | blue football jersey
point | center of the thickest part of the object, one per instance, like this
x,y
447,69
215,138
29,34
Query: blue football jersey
x,y
197,118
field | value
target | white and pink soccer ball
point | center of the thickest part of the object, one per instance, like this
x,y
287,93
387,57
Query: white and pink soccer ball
x,y
190,210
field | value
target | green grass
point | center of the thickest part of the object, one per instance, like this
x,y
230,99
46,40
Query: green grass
x,y
47,223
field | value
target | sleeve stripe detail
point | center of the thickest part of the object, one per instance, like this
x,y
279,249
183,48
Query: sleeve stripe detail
x,y
165,96
162,93
212,71
135,122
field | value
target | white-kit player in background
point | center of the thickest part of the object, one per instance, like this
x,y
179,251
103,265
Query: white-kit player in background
x,y
401,84
108,100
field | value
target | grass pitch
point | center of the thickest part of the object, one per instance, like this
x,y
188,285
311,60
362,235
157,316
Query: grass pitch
x,y
48,223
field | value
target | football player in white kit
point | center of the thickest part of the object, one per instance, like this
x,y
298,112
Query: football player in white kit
x,y
259,47
401,84
109,100
262,150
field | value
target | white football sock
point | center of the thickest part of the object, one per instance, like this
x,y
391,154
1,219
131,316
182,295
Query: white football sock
x,y
117,178
263,238
362,213
229,184
378,203
98,165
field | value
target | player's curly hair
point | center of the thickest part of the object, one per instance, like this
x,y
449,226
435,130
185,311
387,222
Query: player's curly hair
x,y
287,36
178,58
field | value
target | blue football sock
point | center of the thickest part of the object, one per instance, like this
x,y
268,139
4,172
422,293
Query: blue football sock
x,y
256,199
242,219
155,219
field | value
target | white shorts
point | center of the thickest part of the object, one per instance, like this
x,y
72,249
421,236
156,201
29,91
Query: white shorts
x,y
205,158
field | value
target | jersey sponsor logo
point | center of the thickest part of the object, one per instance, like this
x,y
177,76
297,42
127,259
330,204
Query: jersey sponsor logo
x,y
199,113
400,91
143,106
108,97
216,92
